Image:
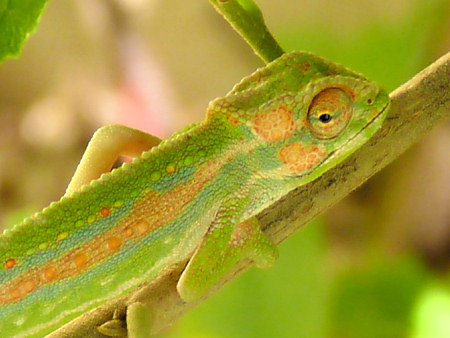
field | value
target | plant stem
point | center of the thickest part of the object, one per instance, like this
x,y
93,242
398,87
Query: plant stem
x,y
246,18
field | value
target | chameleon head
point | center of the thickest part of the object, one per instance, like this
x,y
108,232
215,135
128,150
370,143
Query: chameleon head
x,y
308,112
315,125
333,117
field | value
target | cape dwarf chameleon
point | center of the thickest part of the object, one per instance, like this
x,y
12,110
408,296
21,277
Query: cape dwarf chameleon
x,y
192,196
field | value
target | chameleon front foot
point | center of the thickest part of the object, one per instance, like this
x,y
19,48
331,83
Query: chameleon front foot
x,y
259,248
213,260
113,328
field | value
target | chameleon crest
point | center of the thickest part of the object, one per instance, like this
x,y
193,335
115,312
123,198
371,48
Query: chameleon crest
x,y
192,197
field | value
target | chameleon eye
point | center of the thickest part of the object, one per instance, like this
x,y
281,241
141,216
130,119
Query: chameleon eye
x,y
329,113
325,118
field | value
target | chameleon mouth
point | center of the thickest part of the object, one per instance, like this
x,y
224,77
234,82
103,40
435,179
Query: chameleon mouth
x,y
374,123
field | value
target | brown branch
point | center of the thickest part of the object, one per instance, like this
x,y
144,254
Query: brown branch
x,y
419,104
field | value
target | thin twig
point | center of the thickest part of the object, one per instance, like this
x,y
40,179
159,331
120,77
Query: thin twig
x,y
249,23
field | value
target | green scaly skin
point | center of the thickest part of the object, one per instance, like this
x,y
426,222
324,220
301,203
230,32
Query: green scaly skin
x,y
192,196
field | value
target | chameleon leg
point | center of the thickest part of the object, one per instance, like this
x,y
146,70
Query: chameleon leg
x,y
224,245
105,146
139,320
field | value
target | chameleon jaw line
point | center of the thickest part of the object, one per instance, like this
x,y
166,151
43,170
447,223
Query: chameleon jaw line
x,y
374,120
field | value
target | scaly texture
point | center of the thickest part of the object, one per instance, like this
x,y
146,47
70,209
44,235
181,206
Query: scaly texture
x,y
195,193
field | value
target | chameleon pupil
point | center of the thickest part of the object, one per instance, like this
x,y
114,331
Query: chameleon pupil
x,y
325,118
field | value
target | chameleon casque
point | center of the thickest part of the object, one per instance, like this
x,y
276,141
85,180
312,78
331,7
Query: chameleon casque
x,y
192,196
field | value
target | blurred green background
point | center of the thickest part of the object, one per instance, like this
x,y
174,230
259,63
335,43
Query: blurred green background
x,y
375,265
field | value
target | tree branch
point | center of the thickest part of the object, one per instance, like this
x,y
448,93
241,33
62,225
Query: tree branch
x,y
419,104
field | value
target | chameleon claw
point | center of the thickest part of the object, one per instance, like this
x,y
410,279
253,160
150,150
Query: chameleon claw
x,y
113,328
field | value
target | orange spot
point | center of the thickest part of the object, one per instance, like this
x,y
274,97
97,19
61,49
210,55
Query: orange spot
x,y
15,294
274,125
50,273
142,227
10,263
80,260
159,209
28,285
298,158
331,72
105,212
114,243
233,120
304,67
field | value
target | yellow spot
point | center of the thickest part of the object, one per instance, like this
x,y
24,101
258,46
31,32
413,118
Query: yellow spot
x,y
156,175
62,236
10,263
118,203
50,273
128,232
142,227
80,260
171,168
114,243
43,246
91,219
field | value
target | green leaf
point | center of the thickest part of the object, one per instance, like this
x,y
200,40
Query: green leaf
x,y
18,18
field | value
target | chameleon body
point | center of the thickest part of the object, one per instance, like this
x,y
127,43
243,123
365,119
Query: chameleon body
x,y
191,197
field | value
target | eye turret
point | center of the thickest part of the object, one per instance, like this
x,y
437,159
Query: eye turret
x,y
329,113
